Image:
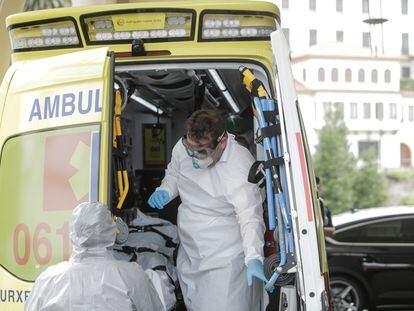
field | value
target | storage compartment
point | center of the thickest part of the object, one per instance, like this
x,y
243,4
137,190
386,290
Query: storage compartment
x,y
155,105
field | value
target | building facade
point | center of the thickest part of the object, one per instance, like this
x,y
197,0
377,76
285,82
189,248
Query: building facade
x,y
356,56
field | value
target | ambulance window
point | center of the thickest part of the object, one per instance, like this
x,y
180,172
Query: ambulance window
x,y
43,176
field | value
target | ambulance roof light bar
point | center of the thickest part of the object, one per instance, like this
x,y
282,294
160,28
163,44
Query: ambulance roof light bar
x,y
149,25
58,33
219,82
216,25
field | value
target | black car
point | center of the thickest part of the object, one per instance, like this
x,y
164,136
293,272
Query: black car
x,y
371,260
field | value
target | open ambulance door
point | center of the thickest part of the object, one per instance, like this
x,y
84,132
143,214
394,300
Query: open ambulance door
x,y
311,264
55,151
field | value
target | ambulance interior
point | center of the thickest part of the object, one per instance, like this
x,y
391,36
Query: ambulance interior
x,y
156,101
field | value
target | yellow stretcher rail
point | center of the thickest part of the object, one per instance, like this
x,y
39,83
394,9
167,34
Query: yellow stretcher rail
x,y
122,175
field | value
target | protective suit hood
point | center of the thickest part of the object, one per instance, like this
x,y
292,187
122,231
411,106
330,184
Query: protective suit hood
x,y
93,279
92,228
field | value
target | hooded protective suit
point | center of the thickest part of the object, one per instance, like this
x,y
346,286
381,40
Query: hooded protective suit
x,y
92,279
220,226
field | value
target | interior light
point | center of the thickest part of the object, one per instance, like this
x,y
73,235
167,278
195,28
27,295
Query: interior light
x,y
217,79
146,104
231,101
220,84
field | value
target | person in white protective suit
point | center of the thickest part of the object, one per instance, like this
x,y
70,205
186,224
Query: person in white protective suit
x,y
220,220
92,279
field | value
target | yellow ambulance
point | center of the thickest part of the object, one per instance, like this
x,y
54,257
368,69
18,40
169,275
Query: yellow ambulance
x,y
95,99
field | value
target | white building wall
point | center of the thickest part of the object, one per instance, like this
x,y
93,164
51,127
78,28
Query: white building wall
x,y
313,64
326,20
390,150
385,53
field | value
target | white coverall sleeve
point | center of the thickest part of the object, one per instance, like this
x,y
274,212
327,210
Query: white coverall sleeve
x,y
141,290
169,183
34,302
247,202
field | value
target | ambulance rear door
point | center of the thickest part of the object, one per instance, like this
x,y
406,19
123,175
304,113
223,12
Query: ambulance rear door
x,y
310,253
54,140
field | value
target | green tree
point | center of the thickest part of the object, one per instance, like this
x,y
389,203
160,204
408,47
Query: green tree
x,y
369,184
335,164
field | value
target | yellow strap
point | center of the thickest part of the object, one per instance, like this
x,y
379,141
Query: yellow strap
x,y
125,190
248,78
122,176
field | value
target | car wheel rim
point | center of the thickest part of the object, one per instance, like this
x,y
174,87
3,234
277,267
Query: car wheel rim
x,y
345,297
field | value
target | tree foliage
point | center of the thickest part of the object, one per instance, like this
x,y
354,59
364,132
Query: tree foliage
x,y
369,184
335,164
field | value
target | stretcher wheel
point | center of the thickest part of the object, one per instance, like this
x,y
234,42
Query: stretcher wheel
x,y
270,264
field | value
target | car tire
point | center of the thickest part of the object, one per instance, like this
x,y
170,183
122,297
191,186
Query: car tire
x,y
346,294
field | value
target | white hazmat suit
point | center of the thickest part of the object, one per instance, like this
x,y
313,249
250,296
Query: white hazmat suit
x,y
220,226
92,279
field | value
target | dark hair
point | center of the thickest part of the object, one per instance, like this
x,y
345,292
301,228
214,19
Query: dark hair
x,y
317,180
205,124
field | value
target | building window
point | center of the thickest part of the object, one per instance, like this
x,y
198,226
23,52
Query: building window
x,y
366,39
312,5
393,111
405,152
312,37
327,107
339,5
387,76
286,33
348,75
285,4
361,75
339,107
404,7
404,44
379,111
367,110
354,110
411,113
339,36
405,72
374,76
334,75
304,74
321,75
364,146
365,6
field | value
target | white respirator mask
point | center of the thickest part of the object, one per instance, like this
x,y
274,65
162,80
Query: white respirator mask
x,y
202,163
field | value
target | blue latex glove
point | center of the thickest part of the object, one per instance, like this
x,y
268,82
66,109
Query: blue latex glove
x,y
255,269
158,199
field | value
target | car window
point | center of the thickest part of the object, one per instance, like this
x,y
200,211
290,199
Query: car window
x,y
388,231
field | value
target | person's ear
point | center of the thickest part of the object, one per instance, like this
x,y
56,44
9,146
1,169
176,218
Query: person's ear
x,y
223,141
